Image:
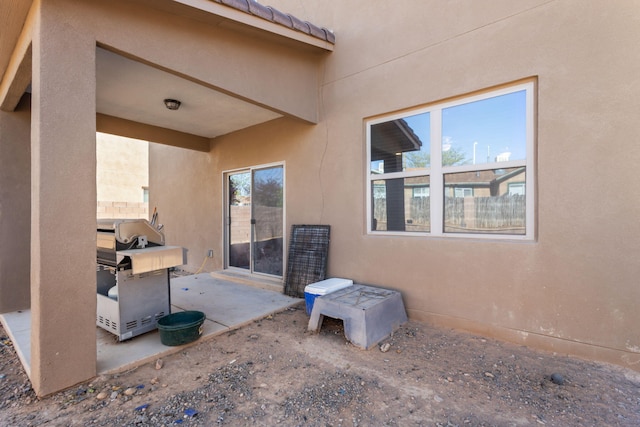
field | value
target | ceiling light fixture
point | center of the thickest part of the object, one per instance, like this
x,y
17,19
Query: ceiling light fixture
x,y
172,104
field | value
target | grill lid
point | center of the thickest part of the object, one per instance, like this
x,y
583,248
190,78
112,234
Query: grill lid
x,y
126,231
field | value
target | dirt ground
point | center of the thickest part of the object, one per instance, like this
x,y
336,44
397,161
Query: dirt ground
x,y
274,372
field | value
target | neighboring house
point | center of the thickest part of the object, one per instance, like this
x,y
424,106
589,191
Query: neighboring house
x,y
503,209
122,177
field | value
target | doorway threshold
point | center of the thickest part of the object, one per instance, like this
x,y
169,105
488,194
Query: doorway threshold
x,y
275,284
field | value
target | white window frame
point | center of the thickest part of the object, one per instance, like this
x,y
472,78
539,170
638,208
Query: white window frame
x,y
424,190
464,191
517,185
436,171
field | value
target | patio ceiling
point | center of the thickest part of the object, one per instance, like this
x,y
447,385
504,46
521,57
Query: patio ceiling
x,y
131,91
135,91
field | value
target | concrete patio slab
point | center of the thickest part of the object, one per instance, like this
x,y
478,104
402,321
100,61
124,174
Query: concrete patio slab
x,y
227,305
18,327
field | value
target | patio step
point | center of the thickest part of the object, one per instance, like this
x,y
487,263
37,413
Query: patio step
x,y
268,283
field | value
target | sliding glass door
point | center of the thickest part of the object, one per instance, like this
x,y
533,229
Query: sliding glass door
x,y
255,220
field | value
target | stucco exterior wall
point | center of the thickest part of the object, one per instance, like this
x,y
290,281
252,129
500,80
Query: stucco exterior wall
x,y
63,197
574,289
187,202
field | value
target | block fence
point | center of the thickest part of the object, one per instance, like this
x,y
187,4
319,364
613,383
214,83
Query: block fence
x,y
124,210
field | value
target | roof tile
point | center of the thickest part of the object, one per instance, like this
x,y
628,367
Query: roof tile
x,y
317,32
268,13
299,25
242,5
261,11
330,36
281,18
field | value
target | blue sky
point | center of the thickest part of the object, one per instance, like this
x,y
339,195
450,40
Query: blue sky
x,y
494,126
498,125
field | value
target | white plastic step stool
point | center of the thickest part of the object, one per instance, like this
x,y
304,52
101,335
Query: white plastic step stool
x,y
369,314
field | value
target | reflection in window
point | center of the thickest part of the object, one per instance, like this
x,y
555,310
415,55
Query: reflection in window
x,y
400,145
396,208
485,131
455,167
462,192
422,191
489,207
516,188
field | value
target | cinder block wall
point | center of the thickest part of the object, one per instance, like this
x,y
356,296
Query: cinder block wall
x,y
124,210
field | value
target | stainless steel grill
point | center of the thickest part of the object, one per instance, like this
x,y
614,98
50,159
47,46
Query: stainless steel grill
x,y
133,276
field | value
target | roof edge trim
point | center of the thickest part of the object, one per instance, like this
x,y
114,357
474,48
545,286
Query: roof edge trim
x,y
267,18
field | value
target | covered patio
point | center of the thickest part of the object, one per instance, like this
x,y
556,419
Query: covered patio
x,y
228,301
71,68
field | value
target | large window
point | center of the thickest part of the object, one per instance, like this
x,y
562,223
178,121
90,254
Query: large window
x,y
460,168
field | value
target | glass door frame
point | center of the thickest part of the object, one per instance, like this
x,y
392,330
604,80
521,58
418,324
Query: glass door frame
x,y
226,218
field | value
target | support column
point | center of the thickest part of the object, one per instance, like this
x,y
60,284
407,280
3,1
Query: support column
x,y
15,206
63,202
395,194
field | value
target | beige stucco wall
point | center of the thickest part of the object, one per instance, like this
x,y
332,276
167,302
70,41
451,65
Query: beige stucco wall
x,y
63,202
186,202
574,289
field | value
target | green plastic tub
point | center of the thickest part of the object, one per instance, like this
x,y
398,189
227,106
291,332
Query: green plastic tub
x,y
181,328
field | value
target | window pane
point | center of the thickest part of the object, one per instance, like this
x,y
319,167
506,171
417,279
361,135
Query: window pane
x,y
401,204
239,214
401,144
489,201
268,215
486,131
